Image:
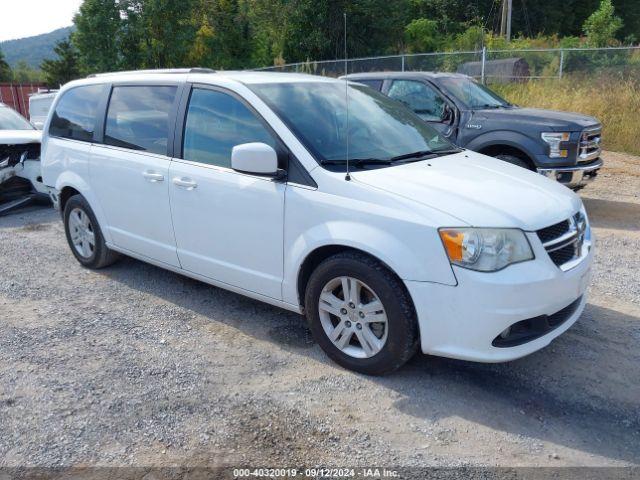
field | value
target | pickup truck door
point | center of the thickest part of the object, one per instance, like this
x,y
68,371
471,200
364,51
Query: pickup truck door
x,y
426,102
228,225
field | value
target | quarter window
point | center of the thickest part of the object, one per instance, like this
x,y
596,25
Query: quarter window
x,y
216,122
75,113
420,98
138,118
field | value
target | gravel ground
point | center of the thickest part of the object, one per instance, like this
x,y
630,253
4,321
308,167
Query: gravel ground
x,y
136,366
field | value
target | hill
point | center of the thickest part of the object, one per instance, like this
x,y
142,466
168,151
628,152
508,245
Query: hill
x,y
33,49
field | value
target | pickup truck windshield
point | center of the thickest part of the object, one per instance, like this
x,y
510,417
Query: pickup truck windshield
x,y
381,131
10,120
474,95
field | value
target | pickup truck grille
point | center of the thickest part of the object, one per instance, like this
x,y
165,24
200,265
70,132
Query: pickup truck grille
x,y
589,145
563,241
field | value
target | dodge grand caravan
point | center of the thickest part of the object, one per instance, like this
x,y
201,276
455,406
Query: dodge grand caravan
x,y
323,198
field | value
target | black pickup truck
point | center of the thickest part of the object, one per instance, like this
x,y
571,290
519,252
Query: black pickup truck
x,y
561,145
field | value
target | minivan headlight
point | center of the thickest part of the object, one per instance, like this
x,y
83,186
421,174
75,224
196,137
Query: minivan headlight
x,y
485,249
554,140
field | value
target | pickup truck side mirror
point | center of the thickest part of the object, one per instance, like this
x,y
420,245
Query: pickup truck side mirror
x,y
447,114
256,158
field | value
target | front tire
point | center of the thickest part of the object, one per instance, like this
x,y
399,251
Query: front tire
x,y
85,236
360,314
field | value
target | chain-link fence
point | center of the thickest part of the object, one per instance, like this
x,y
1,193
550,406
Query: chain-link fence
x,y
489,66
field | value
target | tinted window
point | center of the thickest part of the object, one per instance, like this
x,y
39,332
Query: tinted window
x,y
138,118
75,114
379,128
216,122
375,84
420,98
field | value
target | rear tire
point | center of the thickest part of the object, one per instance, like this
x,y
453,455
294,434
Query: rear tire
x,y
85,236
381,307
514,160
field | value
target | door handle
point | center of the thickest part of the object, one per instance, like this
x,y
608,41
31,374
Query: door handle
x,y
184,182
152,176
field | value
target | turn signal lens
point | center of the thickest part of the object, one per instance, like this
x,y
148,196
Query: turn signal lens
x,y
453,243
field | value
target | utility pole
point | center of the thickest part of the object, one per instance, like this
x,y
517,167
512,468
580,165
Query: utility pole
x,y
509,11
505,22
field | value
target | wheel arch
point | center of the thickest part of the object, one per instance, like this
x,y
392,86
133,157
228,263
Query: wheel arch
x,y
69,184
509,143
319,254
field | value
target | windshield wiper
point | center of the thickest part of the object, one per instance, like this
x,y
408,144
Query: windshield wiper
x,y
357,162
488,106
422,155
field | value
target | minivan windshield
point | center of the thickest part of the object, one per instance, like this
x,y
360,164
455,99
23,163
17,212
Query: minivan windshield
x,y
381,131
474,95
10,120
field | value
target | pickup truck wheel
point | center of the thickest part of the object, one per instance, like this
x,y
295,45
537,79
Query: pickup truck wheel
x,y
84,235
513,160
361,314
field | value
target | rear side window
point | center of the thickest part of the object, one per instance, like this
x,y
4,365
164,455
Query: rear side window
x,y
75,113
375,84
138,118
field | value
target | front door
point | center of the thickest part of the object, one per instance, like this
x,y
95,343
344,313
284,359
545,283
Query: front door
x,y
228,225
130,172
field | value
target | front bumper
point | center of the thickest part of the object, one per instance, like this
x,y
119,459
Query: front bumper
x,y
575,176
463,321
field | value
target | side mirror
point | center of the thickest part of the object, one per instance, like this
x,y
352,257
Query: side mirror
x,y
447,114
256,158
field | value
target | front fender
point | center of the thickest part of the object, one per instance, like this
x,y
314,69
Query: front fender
x,y
509,138
402,255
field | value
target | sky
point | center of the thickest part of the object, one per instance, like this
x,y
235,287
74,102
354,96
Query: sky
x,y
25,18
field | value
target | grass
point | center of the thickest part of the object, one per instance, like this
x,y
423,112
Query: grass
x,y
615,101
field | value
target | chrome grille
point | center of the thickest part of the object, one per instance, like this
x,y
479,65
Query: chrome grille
x,y
564,241
589,145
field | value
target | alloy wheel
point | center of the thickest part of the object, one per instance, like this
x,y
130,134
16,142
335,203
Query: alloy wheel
x,y
353,317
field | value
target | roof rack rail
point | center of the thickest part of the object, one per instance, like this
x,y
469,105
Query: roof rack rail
x,y
159,70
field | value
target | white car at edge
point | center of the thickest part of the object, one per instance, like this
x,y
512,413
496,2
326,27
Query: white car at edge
x,y
239,179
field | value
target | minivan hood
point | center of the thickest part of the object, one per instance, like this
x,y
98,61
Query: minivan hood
x,y
544,119
19,137
478,190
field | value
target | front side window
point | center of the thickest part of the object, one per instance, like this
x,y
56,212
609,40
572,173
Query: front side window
x,y
138,117
216,122
379,129
12,120
474,95
75,113
420,98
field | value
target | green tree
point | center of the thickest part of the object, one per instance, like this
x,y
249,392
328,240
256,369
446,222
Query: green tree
x,y
5,69
603,24
23,73
421,35
64,68
168,31
98,25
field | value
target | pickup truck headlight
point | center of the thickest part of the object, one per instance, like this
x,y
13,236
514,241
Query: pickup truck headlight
x,y
554,140
485,249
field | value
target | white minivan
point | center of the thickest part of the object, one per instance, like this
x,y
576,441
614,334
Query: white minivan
x,y
323,198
